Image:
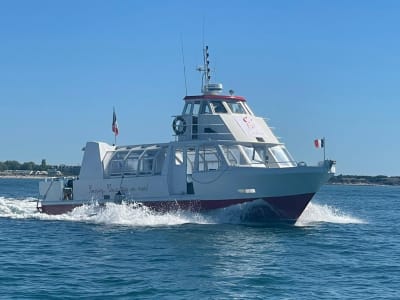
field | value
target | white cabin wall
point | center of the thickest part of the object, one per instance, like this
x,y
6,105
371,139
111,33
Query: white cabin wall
x,y
258,128
268,135
92,162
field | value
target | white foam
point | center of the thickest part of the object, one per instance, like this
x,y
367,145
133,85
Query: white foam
x,y
138,215
319,213
133,215
111,214
17,209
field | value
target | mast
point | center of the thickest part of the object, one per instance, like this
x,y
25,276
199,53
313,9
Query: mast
x,y
206,86
206,73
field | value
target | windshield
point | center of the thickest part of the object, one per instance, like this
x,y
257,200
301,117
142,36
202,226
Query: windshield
x,y
281,156
236,107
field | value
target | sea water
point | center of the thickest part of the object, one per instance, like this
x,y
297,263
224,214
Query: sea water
x,y
346,245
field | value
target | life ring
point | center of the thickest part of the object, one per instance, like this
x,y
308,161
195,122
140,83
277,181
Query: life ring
x,y
179,125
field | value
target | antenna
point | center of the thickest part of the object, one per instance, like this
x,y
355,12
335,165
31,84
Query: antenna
x,y
203,29
206,86
205,69
207,75
184,66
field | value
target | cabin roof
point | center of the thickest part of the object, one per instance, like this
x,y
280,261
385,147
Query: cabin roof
x,y
214,97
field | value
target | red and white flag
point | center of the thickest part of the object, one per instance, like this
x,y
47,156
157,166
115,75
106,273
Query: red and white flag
x,y
115,124
319,143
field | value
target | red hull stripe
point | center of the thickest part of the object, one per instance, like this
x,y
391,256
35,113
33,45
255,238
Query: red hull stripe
x,y
286,207
224,97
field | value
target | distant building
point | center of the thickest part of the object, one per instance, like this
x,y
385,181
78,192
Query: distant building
x,y
53,172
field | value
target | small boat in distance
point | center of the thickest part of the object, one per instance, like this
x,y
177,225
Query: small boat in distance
x,y
223,155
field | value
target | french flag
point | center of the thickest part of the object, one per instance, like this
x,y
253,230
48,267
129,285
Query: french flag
x,y
319,143
115,128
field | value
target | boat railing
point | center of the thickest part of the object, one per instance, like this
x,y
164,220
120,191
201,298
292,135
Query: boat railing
x,y
268,164
207,129
59,178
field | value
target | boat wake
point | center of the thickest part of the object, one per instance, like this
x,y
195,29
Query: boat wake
x,y
110,214
17,209
132,215
136,215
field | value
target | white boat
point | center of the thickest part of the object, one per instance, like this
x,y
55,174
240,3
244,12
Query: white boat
x,y
223,155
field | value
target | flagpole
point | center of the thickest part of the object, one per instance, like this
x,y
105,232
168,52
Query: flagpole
x,y
324,146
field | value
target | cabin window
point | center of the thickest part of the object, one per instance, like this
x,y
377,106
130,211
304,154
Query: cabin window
x,y
234,155
262,153
116,167
218,107
178,157
131,163
120,155
196,108
281,156
117,163
159,160
146,162
190,158
209,159
256,155
247,108
236,108
205,108
187,109
139,161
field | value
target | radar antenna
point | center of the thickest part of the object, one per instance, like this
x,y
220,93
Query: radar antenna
x,y
206,86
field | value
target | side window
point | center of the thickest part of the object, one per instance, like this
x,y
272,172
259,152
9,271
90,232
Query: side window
x,y
236,108
218,107
138,161
159,160
117,163
248,109
209,159
196,108
187,109
131,162
281,156
234,155
190,157
178,157
146,162
205,108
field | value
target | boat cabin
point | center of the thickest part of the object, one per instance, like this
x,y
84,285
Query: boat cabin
x,y
220,117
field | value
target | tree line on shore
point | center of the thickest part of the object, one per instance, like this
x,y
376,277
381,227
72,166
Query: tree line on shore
x,y
13,165
370,180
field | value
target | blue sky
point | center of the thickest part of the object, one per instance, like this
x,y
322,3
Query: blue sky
x,y
313,68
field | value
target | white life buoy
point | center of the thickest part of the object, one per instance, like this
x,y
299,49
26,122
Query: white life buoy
x,y
179,125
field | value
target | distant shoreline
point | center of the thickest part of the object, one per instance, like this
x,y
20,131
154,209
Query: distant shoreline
x,y
23,177
336,180
365,180
361,184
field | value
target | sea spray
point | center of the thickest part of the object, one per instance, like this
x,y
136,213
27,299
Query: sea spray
x,y
136,215
17,209
323,213
126,214
133,214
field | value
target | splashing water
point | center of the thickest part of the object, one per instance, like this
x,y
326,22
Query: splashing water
x,y
110,214
17,209
318,213
137,215
133,215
